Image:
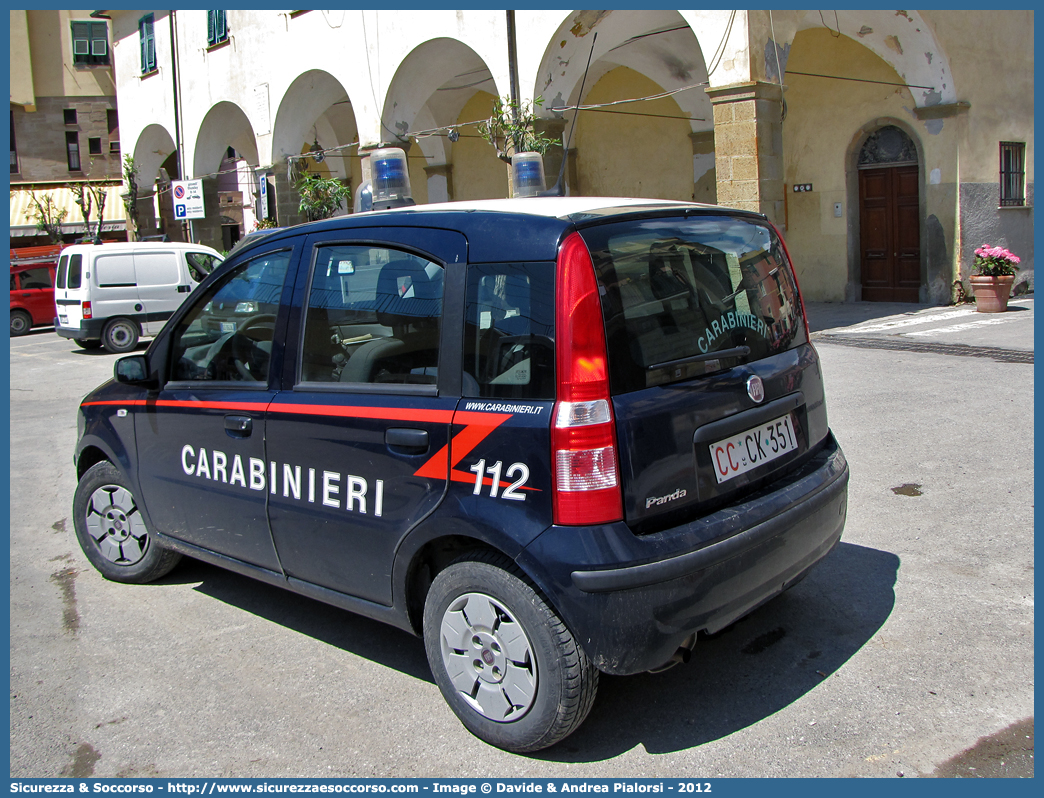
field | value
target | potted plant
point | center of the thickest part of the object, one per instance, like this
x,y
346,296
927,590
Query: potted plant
x,y
993,277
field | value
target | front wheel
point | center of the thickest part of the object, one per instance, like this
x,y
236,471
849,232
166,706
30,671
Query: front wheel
x,y
111,531
504,661
120,336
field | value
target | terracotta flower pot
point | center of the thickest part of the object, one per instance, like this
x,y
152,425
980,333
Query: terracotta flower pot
x,y
991,293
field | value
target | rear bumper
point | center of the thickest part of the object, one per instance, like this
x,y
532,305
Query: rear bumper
x,y
90,329
633,600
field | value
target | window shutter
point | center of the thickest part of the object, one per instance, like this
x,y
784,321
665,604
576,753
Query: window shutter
x,y
148,44
81,35
221,25
211,32
99,39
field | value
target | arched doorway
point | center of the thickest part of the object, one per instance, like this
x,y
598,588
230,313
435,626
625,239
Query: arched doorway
x,y
889,218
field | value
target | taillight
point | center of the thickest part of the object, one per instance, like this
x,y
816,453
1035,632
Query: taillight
x,y
583,436
87,312
793,274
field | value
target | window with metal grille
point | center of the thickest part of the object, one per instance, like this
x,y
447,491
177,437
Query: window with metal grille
x,y
90,42
217,27
1012,173
147,40
72,149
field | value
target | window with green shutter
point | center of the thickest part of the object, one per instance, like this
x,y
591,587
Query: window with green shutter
x,y
147,39
90,43
217,28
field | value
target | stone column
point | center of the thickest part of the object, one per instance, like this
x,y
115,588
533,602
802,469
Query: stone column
x,y
552,129
207,231
287,200
704,185
748,147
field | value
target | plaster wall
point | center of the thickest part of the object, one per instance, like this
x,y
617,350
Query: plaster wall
x,y
21,66
827,122
477,171
50,33
633,156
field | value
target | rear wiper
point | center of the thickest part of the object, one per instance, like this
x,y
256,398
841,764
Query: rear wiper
x,y
736,351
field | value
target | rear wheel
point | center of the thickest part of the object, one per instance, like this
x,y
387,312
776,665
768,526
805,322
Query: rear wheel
x,y
21,322
120,336
504,661
111,531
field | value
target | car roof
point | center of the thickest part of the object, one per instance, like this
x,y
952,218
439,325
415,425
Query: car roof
x,y
497,230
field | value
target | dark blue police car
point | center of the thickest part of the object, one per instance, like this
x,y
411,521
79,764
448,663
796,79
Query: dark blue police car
x,y
553,436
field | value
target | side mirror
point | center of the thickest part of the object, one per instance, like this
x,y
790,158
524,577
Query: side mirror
x,y
133,370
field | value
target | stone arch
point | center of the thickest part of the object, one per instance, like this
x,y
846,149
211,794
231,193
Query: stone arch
x,y
660,47
433,84
315,111
154,147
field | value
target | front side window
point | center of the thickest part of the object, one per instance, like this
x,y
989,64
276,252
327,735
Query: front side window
x,y
686,297
1012,173
200,264
227,336
373,316
90,41
509,331
147,42
217,27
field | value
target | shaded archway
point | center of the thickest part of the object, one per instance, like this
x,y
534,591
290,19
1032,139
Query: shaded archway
x,y
153,150
223,157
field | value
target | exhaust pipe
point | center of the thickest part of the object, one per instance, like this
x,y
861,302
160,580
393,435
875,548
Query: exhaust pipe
x,y
683,654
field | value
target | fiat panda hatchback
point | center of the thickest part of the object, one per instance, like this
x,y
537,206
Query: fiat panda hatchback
x,y
555,437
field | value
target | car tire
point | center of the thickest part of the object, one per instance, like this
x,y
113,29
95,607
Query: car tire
x,y
111,531
88,343
505,662
21,323
120,336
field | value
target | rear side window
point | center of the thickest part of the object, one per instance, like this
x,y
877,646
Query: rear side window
x,y
229,333
686,297
74,279
373,316
509,331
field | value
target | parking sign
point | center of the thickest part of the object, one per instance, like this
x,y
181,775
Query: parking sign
x,y
188,199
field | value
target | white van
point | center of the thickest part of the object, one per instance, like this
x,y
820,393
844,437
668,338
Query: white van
x,y
111,294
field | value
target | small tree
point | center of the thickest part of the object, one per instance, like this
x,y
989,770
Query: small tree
x,y
130,198
321,196
48,216
510,128
87,196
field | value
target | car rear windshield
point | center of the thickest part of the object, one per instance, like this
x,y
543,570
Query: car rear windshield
x,y
684,297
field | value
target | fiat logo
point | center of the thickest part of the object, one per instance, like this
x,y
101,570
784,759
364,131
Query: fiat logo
x,y
487,656
756,389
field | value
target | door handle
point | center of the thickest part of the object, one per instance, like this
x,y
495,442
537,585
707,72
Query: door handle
x,y
239,426
415,440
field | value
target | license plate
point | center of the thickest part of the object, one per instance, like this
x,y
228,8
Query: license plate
x,y
228,326
63,319
763,444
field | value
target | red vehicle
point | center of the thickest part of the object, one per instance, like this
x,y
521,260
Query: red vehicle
x,y
32,287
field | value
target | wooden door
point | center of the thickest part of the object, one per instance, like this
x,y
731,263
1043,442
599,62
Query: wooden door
x,y
889,234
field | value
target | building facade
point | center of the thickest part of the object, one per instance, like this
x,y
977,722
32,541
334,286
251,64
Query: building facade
x,y
64,125
888,145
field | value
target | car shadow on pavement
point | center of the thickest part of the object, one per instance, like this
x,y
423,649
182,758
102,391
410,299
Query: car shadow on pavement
x,y
737,677
747,672
345,630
